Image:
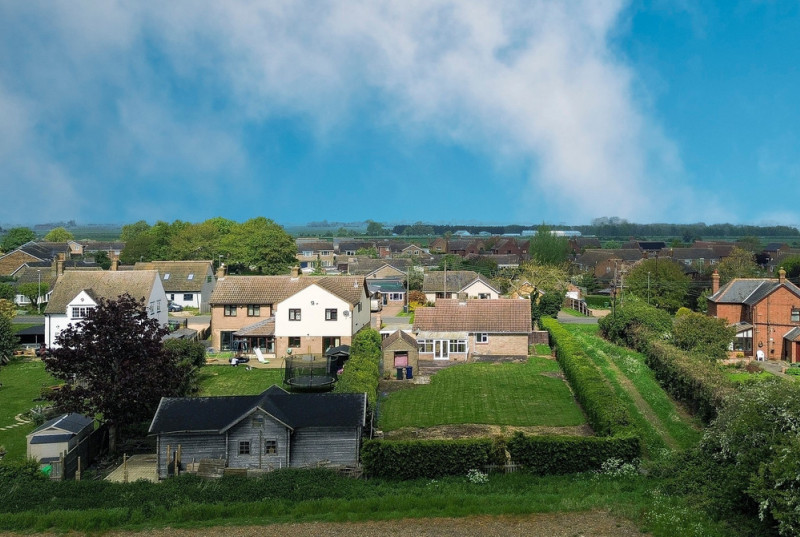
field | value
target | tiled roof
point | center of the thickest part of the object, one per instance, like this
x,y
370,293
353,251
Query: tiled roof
x,y
314,246
73,423
399,334
179,272
693,253
793,334
456,281
101,246
504,315
260,329
365,265
217,414
749,291
100,284
273,289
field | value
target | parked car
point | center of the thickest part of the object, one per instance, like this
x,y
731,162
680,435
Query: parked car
x,y
174,307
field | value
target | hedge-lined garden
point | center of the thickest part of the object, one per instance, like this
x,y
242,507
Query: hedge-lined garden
x,y
361,371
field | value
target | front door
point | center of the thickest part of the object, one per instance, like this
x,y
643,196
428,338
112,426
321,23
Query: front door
x,y
441,349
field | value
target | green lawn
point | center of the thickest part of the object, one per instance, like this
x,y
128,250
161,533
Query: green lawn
x,y
655,413
22,382
489,394
228,380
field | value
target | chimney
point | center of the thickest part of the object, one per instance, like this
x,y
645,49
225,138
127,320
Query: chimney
x,y
714,282
221,271
295,271
115,264
781,276
60,265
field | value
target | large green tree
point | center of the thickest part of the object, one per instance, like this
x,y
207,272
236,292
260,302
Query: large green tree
x,y
548,249
33,290
114,363
660,282
791,265
740,263
16,237
7,291
59,234
707,336
260,245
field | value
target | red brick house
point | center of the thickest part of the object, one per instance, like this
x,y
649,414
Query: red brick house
x,y
765,312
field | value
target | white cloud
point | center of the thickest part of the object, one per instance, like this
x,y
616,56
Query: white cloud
x,y
534,79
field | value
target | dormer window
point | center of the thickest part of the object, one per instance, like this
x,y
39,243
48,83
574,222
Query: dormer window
x,y
166,276
190,277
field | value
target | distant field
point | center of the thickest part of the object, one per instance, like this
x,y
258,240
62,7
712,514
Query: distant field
x,y
530,394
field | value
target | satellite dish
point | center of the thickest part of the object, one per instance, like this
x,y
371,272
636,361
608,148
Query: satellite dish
x,y
346,313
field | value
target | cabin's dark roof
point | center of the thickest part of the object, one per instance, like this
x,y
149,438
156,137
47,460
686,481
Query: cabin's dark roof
x,y
218,414
74,423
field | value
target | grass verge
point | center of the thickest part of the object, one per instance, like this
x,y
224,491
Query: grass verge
x,y
227,380
21,381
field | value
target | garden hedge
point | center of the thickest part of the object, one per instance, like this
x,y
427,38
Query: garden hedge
x,y
548,455
698,383
412,459
605,412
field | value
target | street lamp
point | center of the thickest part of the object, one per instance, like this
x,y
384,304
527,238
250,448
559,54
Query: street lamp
x,y
39,292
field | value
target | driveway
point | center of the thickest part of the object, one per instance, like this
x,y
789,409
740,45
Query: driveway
x,y
572,319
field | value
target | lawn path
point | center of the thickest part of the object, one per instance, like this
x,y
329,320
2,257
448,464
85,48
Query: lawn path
x,y
642,405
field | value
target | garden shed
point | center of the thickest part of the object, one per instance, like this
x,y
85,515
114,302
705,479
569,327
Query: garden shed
x,y
51,439
400,350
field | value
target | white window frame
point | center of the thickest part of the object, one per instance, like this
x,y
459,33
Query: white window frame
x,y
481,337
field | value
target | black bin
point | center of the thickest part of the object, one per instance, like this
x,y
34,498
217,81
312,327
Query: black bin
x,y
400,373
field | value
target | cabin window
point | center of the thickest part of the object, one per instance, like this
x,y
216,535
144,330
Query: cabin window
x,y
244,447
254,310
294,314
230,311
270,447
331,314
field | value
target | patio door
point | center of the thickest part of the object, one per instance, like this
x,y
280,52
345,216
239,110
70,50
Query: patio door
x,y
441,349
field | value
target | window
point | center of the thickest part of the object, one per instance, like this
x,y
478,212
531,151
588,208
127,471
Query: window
x,y
152,307
484,296
230,311
743,341
188,297
330,314
395,297
482,338
158,306
244,447
795,315
294,314
209,278
172,296
307,253
359,307
294,342
166,276
190,277
254,310
458,345
425,345
326,252
80,312
270,447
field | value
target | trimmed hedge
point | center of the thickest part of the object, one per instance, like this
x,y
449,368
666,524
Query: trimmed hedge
x,y
412,459
552,455
361,371
618,327
699,384
605,412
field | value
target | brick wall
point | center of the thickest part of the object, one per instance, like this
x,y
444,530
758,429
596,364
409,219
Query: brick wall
x,y
501,344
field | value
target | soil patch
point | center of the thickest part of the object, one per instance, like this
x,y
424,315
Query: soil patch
x,y
471,430
591,523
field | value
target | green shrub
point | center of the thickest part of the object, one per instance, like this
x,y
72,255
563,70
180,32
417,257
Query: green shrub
x,y
425,458
701,334
618,326
605,412
570,454
361,371
598,302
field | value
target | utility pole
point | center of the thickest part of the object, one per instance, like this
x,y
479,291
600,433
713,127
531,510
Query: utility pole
x,y
39,292
648,287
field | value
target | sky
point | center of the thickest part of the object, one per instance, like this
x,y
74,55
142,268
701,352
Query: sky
x,y
498,111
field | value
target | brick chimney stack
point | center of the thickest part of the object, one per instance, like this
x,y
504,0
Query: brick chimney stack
x,y
221,271
115,264
295,271
781,276
714,282
60,265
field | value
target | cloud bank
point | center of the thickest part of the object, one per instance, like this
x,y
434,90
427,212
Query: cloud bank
x,y
159,95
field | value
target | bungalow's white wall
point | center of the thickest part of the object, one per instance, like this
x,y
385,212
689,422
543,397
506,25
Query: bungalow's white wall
x,y
478,287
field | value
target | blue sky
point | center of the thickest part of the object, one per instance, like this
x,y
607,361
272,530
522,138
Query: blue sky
x,y
439,111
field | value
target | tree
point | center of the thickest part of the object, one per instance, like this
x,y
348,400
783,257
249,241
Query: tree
x,y
621,325
8,339
544,277
131,231
261,245
59,234
416,278
138,248
750,243
7,308
114,364
791,265
190,357
102,259
739,264
371,252
703,335
16,237
589,282
660,282
375,229
7,291
545,305
33,290
548,249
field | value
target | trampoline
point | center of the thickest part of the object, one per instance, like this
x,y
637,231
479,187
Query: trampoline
x,y
310,373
